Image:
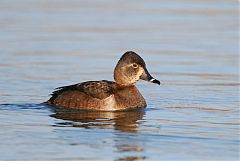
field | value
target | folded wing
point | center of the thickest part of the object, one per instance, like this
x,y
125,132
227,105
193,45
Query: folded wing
x,y
83,95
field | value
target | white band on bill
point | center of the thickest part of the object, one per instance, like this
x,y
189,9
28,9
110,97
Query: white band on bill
x,y
152,80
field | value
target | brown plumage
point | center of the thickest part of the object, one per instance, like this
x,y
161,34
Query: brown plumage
x,y
107,95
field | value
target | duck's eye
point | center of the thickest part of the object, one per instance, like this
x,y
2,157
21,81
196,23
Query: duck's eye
x,y
135,65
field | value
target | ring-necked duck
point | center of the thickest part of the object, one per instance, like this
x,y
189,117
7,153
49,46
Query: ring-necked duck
x,y
107,95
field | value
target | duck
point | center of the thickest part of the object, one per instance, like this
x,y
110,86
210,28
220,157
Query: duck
x,y
103,95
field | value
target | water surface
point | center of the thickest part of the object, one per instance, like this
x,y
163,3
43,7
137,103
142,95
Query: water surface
x,y
190,46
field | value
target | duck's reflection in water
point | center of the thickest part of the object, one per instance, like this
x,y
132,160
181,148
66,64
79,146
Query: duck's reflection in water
x,y
126,122
121,121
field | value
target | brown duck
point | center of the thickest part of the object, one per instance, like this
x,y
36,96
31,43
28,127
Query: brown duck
x,y
107,95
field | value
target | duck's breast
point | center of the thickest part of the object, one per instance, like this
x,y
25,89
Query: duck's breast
x,y
129,98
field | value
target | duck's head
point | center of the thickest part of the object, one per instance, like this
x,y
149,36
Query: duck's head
x,y
130,68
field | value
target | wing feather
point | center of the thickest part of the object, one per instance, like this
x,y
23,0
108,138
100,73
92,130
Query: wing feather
x,y
95,89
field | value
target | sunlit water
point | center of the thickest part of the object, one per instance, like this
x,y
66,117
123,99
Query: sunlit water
x,y
190,46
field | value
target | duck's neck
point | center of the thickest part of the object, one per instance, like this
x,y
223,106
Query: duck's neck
x,y
124,85
123,82
121,79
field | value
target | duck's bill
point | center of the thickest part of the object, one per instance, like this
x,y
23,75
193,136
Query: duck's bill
x,y
153,80
147,77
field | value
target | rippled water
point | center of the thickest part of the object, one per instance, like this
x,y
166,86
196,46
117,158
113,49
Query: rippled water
x,y
192,47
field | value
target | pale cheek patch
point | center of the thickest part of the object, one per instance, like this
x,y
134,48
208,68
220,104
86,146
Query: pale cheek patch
x,y
140,72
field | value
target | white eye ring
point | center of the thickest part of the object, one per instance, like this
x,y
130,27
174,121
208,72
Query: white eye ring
x,y
135,65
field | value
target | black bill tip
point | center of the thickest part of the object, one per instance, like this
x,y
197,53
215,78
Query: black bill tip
x,y
155,81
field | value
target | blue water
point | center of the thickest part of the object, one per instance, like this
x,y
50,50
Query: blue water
x,y
190,46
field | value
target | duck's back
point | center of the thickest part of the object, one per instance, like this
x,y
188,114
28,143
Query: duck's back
x,y
97,95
